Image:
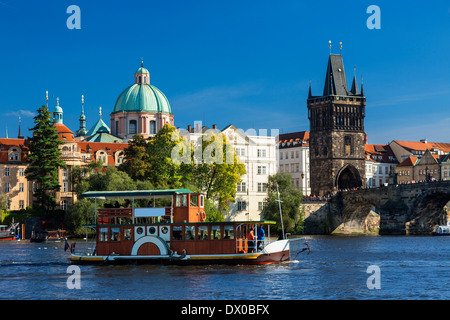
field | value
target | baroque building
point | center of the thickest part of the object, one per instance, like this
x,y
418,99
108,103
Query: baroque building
x,y
337,137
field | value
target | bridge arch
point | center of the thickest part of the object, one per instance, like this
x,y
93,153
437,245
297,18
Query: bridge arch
x,y
348,178
427,211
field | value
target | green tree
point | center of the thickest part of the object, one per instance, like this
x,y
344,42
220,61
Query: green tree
x,y
164,172
137,164
216,169
44,159
290,206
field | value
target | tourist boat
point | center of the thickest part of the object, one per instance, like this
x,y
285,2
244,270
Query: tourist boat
x,y
45,236
56,235
442,230
177,234
8,232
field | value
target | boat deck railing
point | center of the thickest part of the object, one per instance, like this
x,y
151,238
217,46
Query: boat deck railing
x,y
86,248
248,246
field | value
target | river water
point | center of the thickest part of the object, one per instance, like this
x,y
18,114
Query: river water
x,y
406,267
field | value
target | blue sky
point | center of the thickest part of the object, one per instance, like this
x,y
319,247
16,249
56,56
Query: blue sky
x,y
246,63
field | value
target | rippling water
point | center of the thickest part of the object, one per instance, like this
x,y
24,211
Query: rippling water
x,y
336,268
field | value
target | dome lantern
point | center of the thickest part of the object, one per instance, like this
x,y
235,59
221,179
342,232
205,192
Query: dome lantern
x,y
142,76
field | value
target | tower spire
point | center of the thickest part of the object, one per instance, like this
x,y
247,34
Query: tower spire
x,y
82,131
309,93
19,135
354,88
362,87
46,99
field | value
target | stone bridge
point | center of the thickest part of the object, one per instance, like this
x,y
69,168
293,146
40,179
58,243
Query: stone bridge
x,y
414,209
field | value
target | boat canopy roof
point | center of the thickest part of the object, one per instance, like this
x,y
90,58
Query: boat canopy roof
x,y
134,194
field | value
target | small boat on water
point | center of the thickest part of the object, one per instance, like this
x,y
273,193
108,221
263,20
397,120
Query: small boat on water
x,y
177,234
8,232
442,230
45,236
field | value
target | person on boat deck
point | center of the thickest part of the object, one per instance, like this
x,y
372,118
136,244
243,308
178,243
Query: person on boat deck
x,y
251,241
261,237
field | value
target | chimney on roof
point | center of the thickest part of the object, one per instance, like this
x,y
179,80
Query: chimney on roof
x,y
424,141
214,126
189,128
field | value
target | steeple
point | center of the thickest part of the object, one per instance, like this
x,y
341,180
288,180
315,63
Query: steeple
x,y
82,131
19,135
58,113
362,87
309,93
354,90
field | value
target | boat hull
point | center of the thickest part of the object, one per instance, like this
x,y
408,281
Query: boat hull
x,y
275,252
237,259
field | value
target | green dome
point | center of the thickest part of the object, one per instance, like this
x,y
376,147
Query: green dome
x,y
142,98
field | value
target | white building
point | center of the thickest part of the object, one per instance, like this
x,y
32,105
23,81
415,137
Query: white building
x,y
380,165
293,155
258,152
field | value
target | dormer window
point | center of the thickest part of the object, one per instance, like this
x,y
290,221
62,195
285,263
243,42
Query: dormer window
x,y
14,154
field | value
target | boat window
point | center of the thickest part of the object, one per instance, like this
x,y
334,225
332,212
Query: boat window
x,y
202,233
115,234
189,232
202,200
228,232
103,236
177,233
181,200
215,232
194,200
127,234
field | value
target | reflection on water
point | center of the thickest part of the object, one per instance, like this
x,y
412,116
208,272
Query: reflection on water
x,y
411,268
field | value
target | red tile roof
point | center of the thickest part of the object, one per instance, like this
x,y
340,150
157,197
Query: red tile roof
x,y
380,153
408,162
418,145
301,137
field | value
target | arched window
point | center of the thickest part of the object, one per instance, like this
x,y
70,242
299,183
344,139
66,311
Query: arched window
x,y
152,127
132,129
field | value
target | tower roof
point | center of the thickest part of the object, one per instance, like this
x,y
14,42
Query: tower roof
x,y
335,80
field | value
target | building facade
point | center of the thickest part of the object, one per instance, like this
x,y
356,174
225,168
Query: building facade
x,y
337,137
380,165
293,150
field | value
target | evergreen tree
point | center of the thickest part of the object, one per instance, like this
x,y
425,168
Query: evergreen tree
x,y
44,159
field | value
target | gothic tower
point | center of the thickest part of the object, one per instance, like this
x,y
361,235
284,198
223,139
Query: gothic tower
x,y
337,137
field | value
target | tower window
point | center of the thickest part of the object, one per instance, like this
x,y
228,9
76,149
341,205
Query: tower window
x,y
117,127
347,145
